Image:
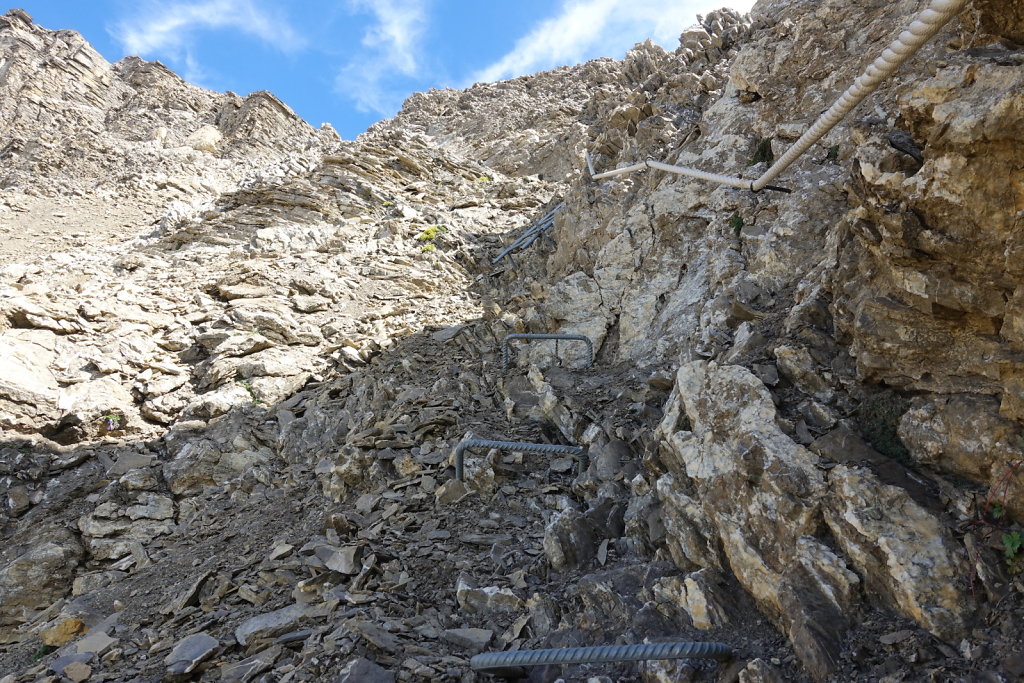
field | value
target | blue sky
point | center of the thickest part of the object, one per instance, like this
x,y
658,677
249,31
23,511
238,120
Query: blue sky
x,y
352,62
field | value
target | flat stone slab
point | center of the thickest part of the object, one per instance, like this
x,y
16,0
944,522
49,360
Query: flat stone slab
x,y
190,652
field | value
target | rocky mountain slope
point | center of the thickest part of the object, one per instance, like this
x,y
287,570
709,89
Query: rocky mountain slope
x,y
236,355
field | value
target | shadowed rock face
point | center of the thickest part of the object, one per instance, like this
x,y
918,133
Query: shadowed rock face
x,y
998,18
236,354
35,570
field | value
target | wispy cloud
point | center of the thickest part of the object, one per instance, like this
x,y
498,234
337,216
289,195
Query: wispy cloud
x,y
168,29
392,49
582,28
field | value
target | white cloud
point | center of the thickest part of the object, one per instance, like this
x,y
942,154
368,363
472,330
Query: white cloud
x,y
583,28
168,28
392,49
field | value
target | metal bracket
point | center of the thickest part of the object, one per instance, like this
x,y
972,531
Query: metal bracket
x,y
522,335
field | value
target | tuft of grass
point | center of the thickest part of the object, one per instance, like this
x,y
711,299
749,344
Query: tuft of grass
x,y
427,248
878,417
247,385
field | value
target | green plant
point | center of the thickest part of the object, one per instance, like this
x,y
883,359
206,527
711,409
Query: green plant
x,y
878,417
432,233
112,421
247,385
1012,543
833,153
762,152
427,248
484,179
42,652
736,223
387,204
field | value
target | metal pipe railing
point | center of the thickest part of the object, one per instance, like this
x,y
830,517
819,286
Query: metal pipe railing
x,y
460,450
557,337
679,170
921,30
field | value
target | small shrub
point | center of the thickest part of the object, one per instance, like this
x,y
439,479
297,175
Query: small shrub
x,y
427,248
432,233
878,417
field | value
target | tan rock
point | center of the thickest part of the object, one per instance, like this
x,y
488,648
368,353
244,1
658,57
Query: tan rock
x,y
904,553
486,600
205,139
34,573
760,494
965,435
64,632
77,672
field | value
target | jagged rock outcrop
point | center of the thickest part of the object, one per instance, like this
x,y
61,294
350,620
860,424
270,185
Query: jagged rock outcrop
x,y
115,144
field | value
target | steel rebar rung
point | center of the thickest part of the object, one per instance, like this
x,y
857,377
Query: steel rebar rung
x,y
603,653
509,446
564,337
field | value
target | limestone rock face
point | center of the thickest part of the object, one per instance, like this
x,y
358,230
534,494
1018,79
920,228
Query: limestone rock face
x,y
963,434
34,574
903,552
28,389
930,277
761,496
